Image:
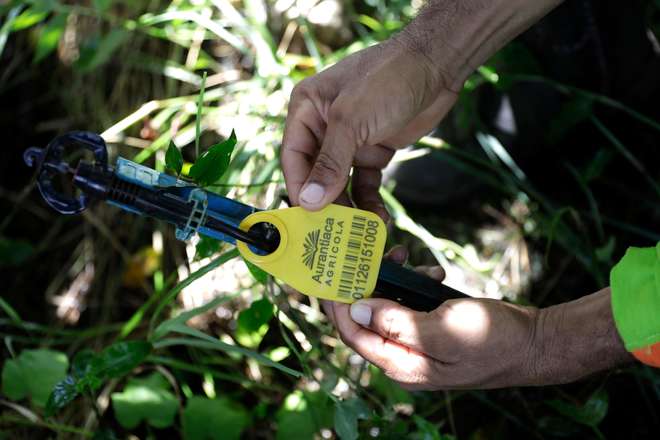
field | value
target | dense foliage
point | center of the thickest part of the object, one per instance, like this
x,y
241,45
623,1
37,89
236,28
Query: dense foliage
x,y
113,329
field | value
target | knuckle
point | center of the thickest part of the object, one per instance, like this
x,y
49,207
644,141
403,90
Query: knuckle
x,y
327,167
390,325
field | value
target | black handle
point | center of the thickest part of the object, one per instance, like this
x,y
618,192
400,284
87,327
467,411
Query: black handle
x,y
411,289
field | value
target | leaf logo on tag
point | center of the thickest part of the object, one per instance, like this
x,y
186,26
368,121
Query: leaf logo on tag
x,y
311,247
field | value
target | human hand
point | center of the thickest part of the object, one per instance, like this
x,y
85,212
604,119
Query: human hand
x,y
481,343
356,114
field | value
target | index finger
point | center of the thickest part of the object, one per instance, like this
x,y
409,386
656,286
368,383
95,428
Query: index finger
x,y
303,133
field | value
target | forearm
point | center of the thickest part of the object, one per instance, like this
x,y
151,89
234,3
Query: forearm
x,y
457,36
576,339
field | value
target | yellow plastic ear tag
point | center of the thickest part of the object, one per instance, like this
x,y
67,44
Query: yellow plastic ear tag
x,y
332,254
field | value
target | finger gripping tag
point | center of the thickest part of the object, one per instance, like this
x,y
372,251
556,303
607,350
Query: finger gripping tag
x,y
332,254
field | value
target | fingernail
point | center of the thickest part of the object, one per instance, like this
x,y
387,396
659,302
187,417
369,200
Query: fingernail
x,y
361,313
312,193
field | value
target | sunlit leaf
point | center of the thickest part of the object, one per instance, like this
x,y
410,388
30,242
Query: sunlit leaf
x,y
34,373
347,413
50,36
173,158
253,323
30,17
211,165
213,419
148,399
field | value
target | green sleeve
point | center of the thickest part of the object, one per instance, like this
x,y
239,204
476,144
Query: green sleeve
x,y
635,284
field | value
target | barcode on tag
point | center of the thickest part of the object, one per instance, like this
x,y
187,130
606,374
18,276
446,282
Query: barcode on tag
x,y
351,258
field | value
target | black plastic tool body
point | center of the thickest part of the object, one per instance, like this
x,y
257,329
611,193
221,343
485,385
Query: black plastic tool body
x,y
412,289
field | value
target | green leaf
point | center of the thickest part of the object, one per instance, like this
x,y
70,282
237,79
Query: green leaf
x,y
148,399
253,323
303,415
9,310
14,252
102,5
604,252
259,274
14,385
50,36
87,372
590,414
64,392
206,247
427,430
95,55
387,388
211,165
171,324
347,413
214,419
31,16
259,313
34,373
173,158
120,358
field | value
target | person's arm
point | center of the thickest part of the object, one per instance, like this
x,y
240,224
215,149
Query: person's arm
x,y
357,112
478,343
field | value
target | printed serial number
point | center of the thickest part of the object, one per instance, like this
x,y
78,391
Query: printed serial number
x,y
358,258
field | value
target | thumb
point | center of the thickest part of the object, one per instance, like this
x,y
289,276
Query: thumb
x,y
332,165
395,322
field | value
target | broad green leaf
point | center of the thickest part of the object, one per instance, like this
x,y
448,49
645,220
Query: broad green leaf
x,y
14,384
30,17
258,314
347,413
253,323
206,247
34,373
590,414
148,399
259,274
303,415
173,158
120,358
100,53
211,165
213,419
14,252
171,324
49,36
